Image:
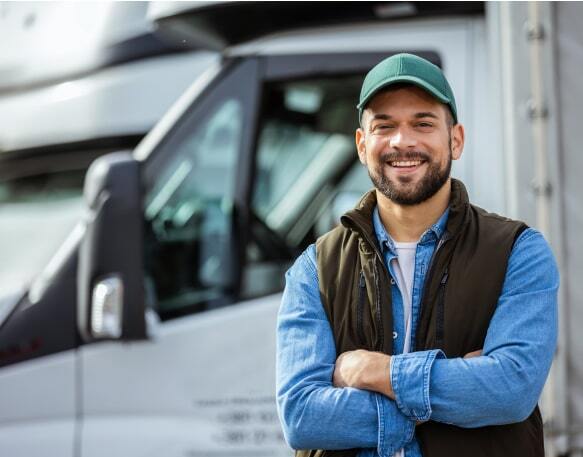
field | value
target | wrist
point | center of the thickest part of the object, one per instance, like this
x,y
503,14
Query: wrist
x,y
377,374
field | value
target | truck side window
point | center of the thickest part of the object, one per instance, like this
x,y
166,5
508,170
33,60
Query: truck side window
x,y
188,214
305,146
190,188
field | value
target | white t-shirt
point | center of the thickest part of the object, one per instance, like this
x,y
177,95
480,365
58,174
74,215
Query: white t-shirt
x,y
404,268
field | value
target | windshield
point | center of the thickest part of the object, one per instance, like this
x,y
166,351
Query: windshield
x,y
36,215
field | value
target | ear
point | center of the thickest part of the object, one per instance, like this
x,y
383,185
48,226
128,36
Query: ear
x,y
457,141
360,145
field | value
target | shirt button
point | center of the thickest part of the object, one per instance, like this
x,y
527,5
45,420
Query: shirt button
x,y
395,334
393,281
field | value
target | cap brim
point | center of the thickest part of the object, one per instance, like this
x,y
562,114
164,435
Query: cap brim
x,y
405,79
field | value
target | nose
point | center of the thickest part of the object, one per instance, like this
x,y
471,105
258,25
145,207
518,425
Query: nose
x,y
402,139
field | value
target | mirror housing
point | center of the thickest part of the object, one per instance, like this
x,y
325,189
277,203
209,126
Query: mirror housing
x,y
110,277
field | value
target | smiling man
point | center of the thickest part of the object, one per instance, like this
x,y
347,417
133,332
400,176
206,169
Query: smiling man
x,y
422,325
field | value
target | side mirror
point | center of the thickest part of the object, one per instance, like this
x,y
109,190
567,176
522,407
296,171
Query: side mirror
x,y
110,278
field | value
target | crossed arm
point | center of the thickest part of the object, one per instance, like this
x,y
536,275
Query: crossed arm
x,y
361,397
314,413
368,370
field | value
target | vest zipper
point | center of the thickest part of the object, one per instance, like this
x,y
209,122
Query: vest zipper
x,y
360,308
444,238
441,311
379,311
440,243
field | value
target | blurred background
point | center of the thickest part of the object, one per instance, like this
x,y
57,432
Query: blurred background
x,y
139,292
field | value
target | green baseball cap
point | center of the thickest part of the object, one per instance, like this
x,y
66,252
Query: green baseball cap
x,y
407,68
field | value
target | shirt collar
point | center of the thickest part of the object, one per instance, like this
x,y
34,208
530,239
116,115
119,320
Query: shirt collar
x,y
436,231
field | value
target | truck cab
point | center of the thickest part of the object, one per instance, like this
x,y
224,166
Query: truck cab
x,y
153,328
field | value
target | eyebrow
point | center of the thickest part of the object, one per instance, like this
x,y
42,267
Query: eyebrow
x,y
386,117
426,114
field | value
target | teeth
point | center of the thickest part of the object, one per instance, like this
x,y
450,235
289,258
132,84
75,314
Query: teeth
x,y
410,163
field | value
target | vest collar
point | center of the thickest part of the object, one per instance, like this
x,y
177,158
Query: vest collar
x,y
360,220
459,207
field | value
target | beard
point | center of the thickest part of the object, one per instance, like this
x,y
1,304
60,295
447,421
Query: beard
x,y
405,192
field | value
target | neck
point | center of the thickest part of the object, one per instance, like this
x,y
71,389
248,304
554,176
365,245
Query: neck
x,y
408,223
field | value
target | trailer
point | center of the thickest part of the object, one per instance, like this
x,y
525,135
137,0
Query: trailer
x,y
536,51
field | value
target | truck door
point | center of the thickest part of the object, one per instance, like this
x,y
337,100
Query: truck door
x,y
198,386
38,398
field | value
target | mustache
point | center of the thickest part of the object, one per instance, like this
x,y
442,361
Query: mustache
x,y
413,155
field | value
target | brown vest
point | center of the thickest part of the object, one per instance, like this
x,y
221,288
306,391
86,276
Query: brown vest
x,y
460,295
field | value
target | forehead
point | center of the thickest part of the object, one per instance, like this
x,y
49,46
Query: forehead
x,y
404,100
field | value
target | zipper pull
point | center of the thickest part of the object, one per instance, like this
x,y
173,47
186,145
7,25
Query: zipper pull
x,y
444,277
440,323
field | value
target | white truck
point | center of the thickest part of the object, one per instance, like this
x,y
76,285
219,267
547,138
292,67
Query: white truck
x,y
76,81
152,329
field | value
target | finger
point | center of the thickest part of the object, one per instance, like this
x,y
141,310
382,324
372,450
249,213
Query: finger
x,y
337,380
469,355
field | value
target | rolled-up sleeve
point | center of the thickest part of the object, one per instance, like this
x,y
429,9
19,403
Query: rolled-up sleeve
x,y
410,379
315,414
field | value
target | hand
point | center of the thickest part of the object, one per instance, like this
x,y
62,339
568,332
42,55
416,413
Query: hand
x,y
469,355
363,369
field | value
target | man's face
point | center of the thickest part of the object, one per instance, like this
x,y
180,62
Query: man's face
x,y
407,143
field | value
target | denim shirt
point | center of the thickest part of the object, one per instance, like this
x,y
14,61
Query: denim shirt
x,y
501,386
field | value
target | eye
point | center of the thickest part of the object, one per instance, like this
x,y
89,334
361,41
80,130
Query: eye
x,y
425,124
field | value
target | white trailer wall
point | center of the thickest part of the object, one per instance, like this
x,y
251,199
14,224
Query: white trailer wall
x,y
537,61
569,59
